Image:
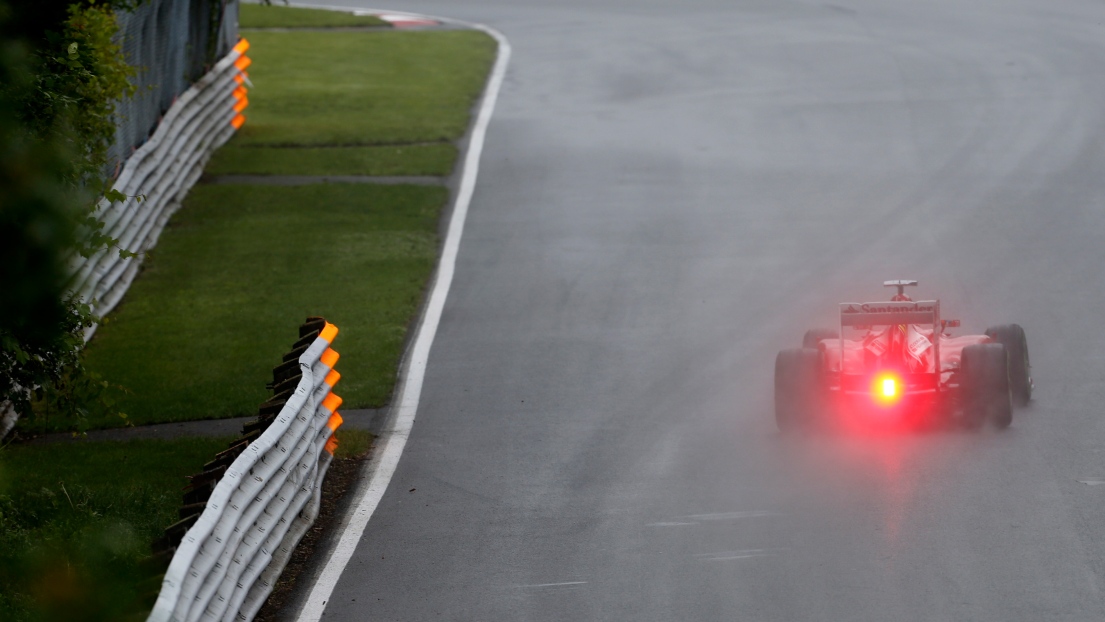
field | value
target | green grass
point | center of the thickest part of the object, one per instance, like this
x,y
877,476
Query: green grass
x,y
433,160
259,16
352,443
352,88
69,508
237,271
66,508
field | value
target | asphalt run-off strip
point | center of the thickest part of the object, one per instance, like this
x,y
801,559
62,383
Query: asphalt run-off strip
x,y
367,419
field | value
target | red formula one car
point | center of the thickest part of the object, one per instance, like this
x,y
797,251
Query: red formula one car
x,y
895,361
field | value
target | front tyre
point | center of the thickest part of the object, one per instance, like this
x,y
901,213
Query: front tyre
x,y
1020,371
984,381
797,387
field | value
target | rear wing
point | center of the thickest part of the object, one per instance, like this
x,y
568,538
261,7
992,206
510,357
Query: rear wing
x,y
859,314
863,315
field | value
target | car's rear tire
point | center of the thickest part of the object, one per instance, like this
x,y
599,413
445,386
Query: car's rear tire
x,y
984,381
1020,370
797,388
815,335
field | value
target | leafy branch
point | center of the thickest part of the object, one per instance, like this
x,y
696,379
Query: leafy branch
x,y
57,121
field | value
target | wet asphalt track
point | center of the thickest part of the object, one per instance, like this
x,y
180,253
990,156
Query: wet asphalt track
x,y
672,192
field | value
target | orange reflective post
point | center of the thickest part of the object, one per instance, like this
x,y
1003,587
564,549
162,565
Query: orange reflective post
x,y
331,402
335,422
332,378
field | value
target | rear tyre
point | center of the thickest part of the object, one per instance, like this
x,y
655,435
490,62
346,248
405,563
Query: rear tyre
x,y
814,335
984,381
1020,371
797,388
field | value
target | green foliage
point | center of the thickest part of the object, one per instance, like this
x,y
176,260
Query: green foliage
x,y
82,74
53,364
57,121
38,217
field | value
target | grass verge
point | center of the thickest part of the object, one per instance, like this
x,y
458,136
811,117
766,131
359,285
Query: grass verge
x,y
355,88
240,266
352,444
434,160
237,271
66,509
261,16
77,520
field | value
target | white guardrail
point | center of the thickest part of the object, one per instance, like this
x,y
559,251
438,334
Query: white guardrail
x,y
162,171
227,563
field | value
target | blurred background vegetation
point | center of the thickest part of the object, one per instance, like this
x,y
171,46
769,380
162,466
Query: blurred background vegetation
x,y
61,72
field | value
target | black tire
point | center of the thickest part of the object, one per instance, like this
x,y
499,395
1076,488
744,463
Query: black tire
x,y
1020,370
815,335
984,381
797,388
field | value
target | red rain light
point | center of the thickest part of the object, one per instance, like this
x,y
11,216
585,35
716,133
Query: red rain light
x,y
887,388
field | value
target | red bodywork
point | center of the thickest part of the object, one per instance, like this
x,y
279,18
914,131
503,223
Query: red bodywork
x,y
894,356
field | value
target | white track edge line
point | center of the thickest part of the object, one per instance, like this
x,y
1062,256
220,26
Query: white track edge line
x,y
395,438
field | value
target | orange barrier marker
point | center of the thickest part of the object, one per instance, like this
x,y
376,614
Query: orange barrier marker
x,y
328,333
330,358
332,378
240,93
335,422
331,402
